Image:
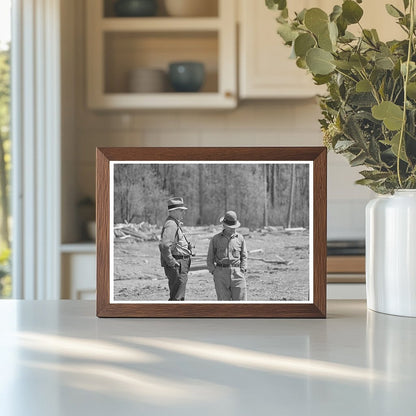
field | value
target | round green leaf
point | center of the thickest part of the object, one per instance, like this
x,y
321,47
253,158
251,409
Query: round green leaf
x,y
411,90
363,86
325,42
384,62
287,33
316,20
344,65
412,67
303,43
391,114
336,12
351,11
333,32
301,15
342,25
319,61
322,79
276,4
358,61
301,63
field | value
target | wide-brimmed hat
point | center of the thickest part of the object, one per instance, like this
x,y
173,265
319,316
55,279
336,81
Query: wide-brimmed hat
x,y
230,219
176,203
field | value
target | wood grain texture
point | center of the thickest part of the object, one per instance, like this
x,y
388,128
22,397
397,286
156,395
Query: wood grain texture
x,y
319,230
103,230
317,309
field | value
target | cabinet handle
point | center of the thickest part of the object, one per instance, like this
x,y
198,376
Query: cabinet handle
x,y
229,94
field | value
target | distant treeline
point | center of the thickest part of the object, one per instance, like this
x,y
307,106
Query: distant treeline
x,y
261,194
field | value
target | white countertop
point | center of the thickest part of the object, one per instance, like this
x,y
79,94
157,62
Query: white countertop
x,y
57,358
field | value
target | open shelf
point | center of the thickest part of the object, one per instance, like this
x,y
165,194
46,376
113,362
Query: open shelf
x,y
160,24
127,51
173,100
116,46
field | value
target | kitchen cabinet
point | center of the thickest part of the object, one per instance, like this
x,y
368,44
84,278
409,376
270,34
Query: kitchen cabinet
x,y
265,69
78,263
346,277
118,45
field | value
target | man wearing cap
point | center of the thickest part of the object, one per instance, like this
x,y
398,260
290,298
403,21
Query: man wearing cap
x,y
227,260
175,250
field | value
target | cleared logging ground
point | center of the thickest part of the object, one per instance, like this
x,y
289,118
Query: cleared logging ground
x,y
138,275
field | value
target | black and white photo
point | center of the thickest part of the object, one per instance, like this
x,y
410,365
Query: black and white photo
x,y
194,232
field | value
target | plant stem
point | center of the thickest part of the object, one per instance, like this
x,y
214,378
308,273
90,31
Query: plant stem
x,y
346,75
373,88
406,79
392,91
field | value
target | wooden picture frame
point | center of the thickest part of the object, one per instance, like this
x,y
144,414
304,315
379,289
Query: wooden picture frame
x,y
313,307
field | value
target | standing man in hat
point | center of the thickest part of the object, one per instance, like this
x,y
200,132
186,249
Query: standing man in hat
x,y
175,250
227,260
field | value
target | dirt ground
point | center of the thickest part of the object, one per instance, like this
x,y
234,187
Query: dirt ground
x,y
138,275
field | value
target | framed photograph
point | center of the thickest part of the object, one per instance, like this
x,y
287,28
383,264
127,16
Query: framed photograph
x,y
211,232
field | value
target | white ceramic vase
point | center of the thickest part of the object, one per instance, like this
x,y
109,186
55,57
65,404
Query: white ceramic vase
x,y
391,253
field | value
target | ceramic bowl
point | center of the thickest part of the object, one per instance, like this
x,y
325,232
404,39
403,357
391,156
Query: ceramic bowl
x,y
135,8
147,80
186,76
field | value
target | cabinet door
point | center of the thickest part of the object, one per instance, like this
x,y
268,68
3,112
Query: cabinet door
x,y
266,71
78,276
265,68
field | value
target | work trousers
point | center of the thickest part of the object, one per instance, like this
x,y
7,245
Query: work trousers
x,y
230,283
177,278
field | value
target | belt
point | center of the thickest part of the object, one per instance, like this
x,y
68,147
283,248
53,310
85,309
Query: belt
x,y
227,265
181,257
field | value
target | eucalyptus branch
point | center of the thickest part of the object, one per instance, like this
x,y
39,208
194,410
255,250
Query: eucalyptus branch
x,y
406,79
369,41
362,60
404,28
392,91
358,45
373,88
346,75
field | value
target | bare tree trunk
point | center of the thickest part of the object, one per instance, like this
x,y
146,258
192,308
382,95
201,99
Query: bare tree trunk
x,y
225,170
292,194
265,211
165,175
201,193
4,196
272,183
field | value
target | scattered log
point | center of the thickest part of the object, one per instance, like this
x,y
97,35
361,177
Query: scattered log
x,y
272,229
141,232
278,260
